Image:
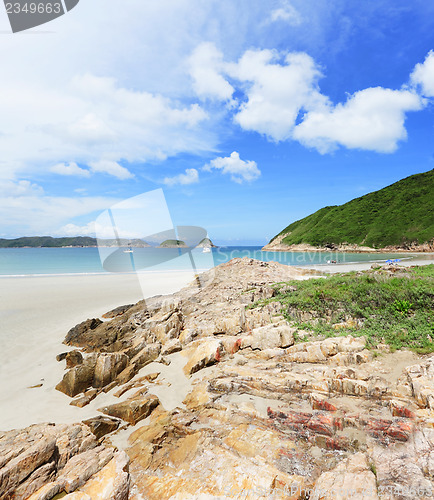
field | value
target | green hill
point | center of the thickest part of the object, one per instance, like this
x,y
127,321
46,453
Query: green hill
x,y
48,241
173,244
401,215
74,241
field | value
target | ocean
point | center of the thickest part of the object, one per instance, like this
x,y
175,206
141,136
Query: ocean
x,y
65,261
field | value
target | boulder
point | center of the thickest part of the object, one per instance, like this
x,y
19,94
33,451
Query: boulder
x,y
79,334
146,355
269,337
79,378
108,367
134,409
100,425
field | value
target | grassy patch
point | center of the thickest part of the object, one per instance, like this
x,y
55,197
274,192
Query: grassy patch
x,y
395,309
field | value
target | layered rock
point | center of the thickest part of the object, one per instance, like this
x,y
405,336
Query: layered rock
x,y
264,415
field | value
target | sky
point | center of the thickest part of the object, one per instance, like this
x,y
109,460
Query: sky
x,y
249,114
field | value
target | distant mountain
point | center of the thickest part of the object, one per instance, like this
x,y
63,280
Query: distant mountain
x,y
397,217
76,241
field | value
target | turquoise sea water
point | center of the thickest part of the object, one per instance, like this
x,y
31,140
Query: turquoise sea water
x,y
61,261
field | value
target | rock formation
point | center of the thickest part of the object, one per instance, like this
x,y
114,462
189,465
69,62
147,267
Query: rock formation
x,y
258,409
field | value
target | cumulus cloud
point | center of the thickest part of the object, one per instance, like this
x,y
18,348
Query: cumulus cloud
x,y
372,119
70,169
191,176
281,100
111,168
238,169
26,210
206,65
286,13
93,118
423,75
20,188
276,92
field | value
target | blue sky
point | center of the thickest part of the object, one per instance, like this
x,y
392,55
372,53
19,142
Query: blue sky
x,y
249,114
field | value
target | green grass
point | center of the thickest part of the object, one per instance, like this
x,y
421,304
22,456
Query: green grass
x,y
396,215
397,309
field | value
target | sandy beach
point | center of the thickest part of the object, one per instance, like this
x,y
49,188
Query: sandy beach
x,y
35,315
420,260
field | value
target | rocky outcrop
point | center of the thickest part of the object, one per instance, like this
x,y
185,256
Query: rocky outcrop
x,y
45,459
268,410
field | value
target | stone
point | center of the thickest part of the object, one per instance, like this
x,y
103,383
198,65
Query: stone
x,y
269,337
46,492
133,409
36,480
352,478
25,463
79,378
73,358
117,311
101,425
84,400
82,466
31,458
78,335
170,347
77,495
112,482
108,367
203,354
146,355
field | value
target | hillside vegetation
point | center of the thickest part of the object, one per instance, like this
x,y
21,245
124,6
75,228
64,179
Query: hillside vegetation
x,y
396,308
398,215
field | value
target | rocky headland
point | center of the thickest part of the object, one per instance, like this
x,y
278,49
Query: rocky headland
x,y
220,396
277,245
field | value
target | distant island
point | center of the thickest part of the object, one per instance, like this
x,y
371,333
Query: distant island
x,y
399,217
76,241
206,242
87,241
173,244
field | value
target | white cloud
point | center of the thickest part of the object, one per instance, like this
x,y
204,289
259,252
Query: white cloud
x,y
423,75
276,92
286,13
238,169
19,188
191,176
70,169
26,210
111,168
372,119
75,230
206,65
93,118
284,102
